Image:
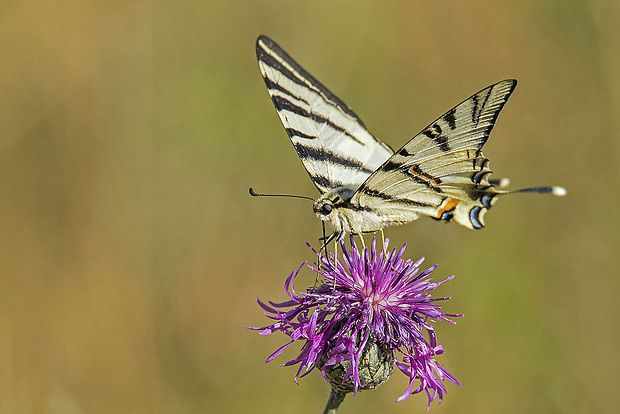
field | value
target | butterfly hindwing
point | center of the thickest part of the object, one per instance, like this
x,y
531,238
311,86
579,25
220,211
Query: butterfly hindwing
x,y
441,172
330,139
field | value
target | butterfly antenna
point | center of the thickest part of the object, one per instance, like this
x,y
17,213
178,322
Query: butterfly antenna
x,y
255,194
555,190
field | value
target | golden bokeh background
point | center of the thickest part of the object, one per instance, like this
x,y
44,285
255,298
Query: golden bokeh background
x,y
131,254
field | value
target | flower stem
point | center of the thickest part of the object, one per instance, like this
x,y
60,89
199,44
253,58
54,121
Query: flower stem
x,y
333,402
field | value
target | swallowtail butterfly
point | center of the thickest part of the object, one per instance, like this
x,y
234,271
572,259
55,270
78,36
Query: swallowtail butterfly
x,y
366,186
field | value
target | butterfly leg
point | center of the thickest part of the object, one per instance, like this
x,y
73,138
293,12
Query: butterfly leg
x,y
324,246
336,237
327,240
323,250
335,253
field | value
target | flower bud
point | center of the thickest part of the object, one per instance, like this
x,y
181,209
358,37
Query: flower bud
x,y
376,364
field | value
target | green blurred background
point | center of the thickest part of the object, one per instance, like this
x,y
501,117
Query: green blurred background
x,y
131,255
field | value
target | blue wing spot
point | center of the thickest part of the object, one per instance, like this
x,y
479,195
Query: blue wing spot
x,y
486,199
474,217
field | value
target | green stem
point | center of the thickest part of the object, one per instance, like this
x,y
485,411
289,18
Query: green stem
x,y
333,402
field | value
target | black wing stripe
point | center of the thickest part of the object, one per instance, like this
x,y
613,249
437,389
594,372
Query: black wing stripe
x,y
486,99
387,197
292,132
306,152
422,181
415,168
274,87
283,104
391,166
475,113
413,172
434,133
450,118
324,182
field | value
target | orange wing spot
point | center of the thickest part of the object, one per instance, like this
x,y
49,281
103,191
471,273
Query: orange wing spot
x,y
412,171
448,206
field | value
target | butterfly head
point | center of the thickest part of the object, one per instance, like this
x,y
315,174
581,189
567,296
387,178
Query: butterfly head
x,y
324,207
328,207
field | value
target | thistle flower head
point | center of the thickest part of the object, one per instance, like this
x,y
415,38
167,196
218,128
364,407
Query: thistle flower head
x,y
372,308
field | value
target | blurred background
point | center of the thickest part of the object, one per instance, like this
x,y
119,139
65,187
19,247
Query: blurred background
x,y
131,254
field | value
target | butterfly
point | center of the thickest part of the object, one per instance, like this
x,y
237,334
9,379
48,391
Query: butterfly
x,y
365,185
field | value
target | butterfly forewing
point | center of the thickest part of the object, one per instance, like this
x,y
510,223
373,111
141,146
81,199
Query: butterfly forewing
x,y
331,140
441,172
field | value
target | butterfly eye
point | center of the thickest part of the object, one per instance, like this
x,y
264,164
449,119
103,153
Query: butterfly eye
x,y
326,209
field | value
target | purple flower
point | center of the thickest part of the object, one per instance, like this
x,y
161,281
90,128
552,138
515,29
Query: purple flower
x,y
370,307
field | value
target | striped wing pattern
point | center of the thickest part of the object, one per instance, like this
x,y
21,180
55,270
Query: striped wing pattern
x,y
441,172
331,140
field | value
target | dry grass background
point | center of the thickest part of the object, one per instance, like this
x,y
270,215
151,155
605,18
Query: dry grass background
x,y
131,254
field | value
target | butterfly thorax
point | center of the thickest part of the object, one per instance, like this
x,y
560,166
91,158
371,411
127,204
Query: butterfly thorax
x,y
336,208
